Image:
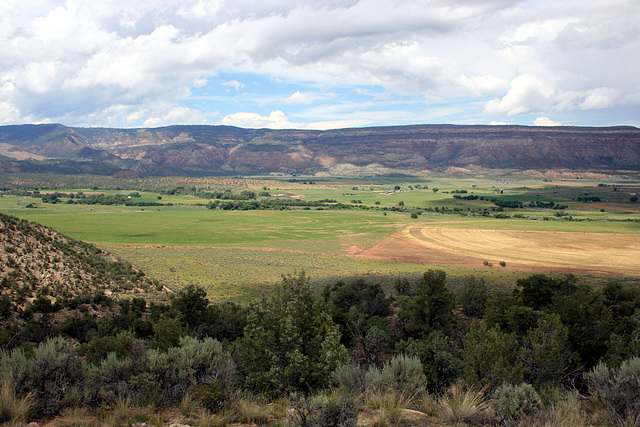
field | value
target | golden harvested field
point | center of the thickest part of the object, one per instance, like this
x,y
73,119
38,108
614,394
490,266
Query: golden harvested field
x,y
598,253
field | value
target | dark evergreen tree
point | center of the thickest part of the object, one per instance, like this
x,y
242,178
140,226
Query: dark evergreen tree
x,y
290,342
428,306
191,302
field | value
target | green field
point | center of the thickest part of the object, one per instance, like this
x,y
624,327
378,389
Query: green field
x,y
236,254
317,231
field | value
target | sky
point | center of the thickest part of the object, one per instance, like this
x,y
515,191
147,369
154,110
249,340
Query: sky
x,y
319,64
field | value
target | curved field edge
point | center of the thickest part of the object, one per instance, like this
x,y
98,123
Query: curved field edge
x,y
598,253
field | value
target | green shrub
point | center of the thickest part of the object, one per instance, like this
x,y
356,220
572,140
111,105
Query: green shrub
x,y
151,378
401,374
290,342
13,368
109,380
336,409
198,362
349,378
167,376
617,390
325,410
54,373
515,403
213,396
438,354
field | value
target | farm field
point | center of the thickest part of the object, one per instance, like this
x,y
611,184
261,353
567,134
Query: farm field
x,y
383,229
572,252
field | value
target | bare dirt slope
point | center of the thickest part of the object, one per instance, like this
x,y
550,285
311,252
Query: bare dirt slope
x,y
527,250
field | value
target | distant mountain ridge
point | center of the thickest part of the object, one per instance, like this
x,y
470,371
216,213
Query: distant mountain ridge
x,y
225,150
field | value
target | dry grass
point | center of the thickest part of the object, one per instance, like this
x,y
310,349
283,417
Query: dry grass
x,y
564,411
598,252
189,405
429,405
117,414
206,419
75,417
13,409
251,411
390,406
464,404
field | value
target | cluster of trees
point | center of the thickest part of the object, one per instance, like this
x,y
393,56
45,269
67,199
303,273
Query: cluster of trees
x,y
287,203
588,199
91,199
518,204
547,333
271,203
229,195
469,197
113,199
513,204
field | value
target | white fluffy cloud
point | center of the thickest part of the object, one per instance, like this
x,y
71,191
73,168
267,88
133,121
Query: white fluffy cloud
x,y
278,120
545,121
298,98
126,63
275,120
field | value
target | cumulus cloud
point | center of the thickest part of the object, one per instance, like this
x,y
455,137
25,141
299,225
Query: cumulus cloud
x,y
545,121
275,120
99,63
278,120
172,114
526,93
298,98
602,97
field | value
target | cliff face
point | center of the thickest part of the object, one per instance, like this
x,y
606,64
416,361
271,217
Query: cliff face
x,y
224,150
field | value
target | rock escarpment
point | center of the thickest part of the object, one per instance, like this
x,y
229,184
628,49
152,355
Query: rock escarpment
x,y
225,150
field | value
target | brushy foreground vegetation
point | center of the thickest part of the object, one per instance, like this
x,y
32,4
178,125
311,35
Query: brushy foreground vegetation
x,y
552,352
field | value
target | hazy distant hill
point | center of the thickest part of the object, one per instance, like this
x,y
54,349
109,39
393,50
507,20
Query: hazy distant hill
x,y
225,150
